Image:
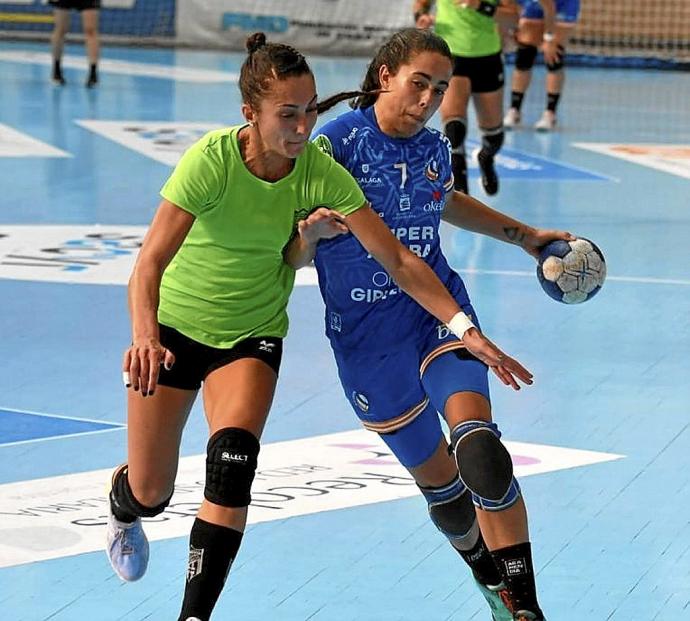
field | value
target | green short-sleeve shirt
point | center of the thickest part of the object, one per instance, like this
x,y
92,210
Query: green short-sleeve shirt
x,y
228,281
467,31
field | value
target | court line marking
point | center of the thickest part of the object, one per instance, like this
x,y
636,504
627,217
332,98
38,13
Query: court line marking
x,y
65,515
124,67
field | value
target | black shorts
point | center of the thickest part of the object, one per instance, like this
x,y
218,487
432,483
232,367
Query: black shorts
x,y
77,5
485,72
194,361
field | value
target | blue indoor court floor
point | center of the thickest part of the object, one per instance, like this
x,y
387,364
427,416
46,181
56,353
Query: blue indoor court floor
x,y
337,532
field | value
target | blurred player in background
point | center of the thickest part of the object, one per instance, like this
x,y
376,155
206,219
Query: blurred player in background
x,y
89,19
470,31
545,25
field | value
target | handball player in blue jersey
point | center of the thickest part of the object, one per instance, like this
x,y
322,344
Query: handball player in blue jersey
x,y
399,366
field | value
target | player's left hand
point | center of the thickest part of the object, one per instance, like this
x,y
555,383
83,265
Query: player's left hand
x,y
322,223
538,238
504,367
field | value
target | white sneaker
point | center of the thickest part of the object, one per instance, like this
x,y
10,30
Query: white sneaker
x,y
546,123
511,119
127,548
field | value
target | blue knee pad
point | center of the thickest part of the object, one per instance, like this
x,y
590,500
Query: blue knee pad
x,y
484,465
525,57
452,512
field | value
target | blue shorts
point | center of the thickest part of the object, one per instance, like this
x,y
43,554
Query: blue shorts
x,y
400,393
567,11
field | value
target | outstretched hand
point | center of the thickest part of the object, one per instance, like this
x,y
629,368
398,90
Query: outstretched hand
x,y
507,369
538,238
322,223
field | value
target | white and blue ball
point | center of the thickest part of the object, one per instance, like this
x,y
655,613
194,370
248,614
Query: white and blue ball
x,y
571,271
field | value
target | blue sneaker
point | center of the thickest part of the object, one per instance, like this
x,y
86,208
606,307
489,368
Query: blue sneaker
x,y
497,598
127,548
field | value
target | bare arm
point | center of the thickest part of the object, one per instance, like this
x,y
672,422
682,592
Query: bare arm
x,y
416,278
549,46
168,230
410,273
322,223
470,214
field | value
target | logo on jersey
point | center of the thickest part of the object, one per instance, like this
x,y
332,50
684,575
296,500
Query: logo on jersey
x,y
360,401
365,168
373,180
404,204
431,171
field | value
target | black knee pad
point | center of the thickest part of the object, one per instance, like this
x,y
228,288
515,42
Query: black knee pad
x,y
484,464
492,139
123,498
558,65
452,512
456,130
525,57
230,466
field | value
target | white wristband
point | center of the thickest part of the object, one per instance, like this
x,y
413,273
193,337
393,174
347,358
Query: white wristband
x,y
548,37
459,324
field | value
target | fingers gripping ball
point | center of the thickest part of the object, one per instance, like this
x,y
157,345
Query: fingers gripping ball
x,y
571,271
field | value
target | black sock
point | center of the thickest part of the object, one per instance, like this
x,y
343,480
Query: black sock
x,y
552,101
57,69
481,563
121,515
516,100
515,565
92,71
459,166
212,549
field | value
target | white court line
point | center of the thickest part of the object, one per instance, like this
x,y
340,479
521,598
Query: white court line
x,y
636,279
105,65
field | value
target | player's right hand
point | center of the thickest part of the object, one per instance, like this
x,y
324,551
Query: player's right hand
x,y
507,369
141,364
322,223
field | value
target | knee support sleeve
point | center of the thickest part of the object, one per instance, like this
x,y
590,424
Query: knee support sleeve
x,y
452,512
525,57
484,465
492,139
230,466
456,130
558,65
123,498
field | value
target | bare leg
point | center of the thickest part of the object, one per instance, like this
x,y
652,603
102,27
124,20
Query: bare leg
x,y
57,40
89,20
238,396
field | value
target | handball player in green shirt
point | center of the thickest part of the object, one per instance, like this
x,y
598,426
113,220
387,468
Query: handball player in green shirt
x,y
474,40
208,297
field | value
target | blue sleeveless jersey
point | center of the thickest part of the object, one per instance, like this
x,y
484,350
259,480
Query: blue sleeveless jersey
x,y
406,182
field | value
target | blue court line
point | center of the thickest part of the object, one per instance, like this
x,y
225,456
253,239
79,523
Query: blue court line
x,y
22,426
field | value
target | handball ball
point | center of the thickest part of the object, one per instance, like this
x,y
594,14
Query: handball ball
x,y
571,271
